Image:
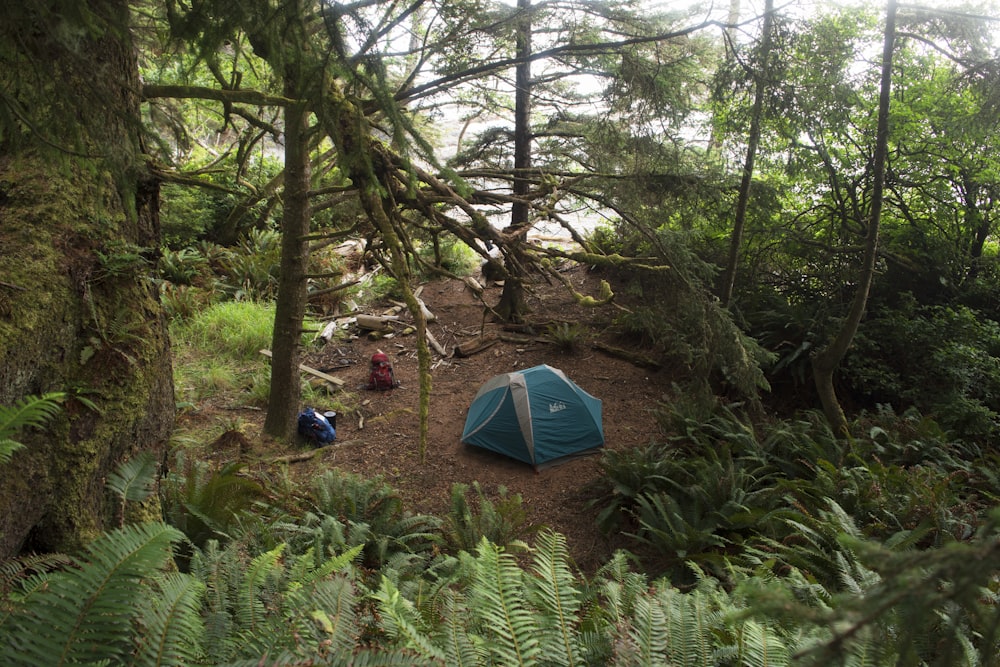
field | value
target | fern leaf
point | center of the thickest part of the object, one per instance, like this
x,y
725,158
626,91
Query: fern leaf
x,y
334,601
649,635
556,599
29,411
85,615
251,613
692,624
172,628
459,648
336,563
760,646
133,479
399,621
497,594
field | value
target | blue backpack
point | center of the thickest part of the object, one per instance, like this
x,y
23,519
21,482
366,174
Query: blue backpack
x,y
316,428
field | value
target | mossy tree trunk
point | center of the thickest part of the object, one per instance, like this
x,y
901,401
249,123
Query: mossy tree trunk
x,y
79,312
290,307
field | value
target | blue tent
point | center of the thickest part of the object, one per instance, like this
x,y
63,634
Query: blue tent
x,y
536,415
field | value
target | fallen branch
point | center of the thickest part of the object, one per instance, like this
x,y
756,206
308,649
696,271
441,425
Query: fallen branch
x,y
305,456
337,382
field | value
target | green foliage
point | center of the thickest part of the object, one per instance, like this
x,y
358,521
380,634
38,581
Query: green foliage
x,y
235,330
206,504
349,510
504,522
945,361
450,254
671,311
276,604
186,266
251,272
29,412
88,613
135,478
566,336
133,481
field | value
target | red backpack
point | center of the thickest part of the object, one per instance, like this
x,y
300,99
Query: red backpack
x,y
380,377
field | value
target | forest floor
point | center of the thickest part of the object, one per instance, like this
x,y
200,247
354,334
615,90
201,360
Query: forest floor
x,y
378,432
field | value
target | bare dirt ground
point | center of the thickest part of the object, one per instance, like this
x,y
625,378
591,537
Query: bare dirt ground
x,y
379,435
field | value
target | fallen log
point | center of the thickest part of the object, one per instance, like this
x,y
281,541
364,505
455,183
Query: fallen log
x,y
312,371
633,357
376,322
471,347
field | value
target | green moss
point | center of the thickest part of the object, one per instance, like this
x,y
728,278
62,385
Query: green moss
x,y
62,302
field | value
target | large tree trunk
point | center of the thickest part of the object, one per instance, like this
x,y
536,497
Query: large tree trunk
x,y
78,310
826,362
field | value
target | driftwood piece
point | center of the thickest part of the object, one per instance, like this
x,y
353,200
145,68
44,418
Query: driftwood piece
x,y
376,322
475,346
473,285
312,371
438,347
633,357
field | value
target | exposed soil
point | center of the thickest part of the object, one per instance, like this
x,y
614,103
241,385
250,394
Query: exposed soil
x,y
379,434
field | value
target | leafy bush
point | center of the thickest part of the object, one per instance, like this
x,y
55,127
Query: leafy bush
x,y
945,361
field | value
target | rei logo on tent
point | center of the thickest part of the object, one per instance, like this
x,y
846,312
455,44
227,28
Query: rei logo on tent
x,y
557,406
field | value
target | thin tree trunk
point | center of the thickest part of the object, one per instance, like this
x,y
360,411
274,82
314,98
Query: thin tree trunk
x,y
826,362
285,388
763,79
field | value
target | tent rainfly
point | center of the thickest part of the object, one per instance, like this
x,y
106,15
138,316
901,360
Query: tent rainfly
x,y
536,415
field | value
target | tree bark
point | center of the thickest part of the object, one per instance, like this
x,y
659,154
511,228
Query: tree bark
x,y
826,361
512,305
78,227
290,307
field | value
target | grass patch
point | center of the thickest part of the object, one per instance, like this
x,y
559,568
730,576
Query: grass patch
x,y
236,330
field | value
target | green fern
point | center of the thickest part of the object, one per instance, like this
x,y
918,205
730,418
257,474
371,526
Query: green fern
x,y
400,622
509,632
172,629
88,614
30,411
133,481
557,600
